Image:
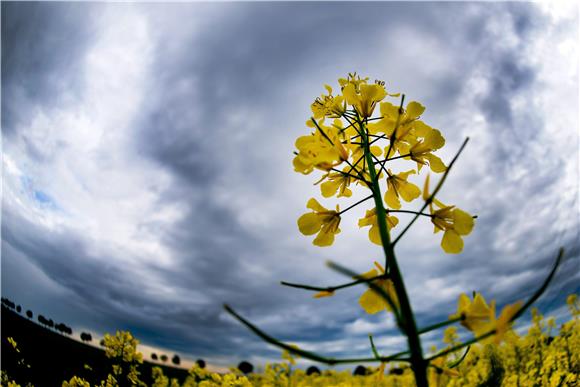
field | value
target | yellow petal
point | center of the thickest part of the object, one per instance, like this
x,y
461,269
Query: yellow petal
x,y
376,150
434,139
392,221
324,293
503,321
462,222
435,163
391,198
375,235
389,110
426,188
422,129
326,235
314,205
310,223
369,274
324,239
300,166
414,109
349,93
409,191
371,302
329,188
451,242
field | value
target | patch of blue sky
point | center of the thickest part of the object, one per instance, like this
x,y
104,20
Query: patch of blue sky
x,y
40,197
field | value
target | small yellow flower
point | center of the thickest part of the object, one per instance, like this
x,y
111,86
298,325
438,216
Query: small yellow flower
x,y
397,185
322,221
453,221
328,105
408,122
371,219
337,182
421,151
364,98
372,301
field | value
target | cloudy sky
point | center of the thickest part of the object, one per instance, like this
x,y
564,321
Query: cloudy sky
x,y
147,174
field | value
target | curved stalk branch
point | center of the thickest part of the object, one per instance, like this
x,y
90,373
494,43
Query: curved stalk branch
x,y
307,354
440,325
330,288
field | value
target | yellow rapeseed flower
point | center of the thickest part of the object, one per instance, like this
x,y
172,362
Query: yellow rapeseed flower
x,y
321,221
372,301
397,185
328,105
453,221
322,149
337,182
421,150
364,98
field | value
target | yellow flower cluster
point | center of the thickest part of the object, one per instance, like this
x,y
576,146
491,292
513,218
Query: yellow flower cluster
x,y
342,127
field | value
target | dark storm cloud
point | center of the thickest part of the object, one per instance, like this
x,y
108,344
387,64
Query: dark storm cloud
x,y
42,51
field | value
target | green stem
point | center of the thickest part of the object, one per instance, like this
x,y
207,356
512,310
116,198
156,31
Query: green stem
x,y
418,363
374,348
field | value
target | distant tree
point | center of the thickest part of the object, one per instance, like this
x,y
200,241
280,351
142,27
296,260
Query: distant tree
x,y
312,370
68,330
102,342
86,337
200,363
175,360
154,356
360,371
163,358
42,320
50,323
29,314
19,309
245,367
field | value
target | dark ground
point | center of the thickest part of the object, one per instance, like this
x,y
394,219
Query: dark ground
x,y
54,358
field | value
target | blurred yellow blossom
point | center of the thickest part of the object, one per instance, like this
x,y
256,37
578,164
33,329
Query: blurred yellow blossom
x,y
371,300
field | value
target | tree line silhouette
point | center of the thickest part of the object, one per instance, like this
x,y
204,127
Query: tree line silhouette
x,y
244,366
85,337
